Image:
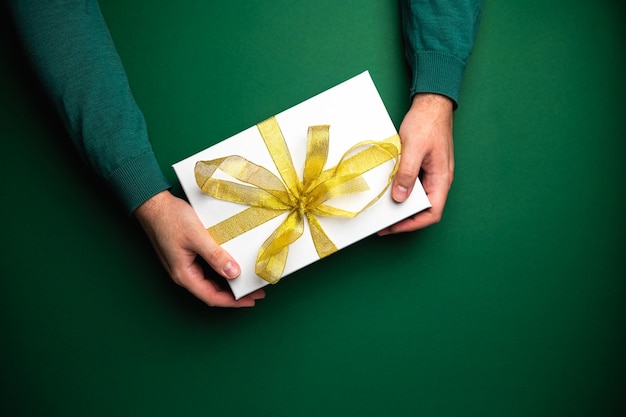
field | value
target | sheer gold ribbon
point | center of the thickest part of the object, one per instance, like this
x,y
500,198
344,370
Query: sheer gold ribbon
x,y
269,197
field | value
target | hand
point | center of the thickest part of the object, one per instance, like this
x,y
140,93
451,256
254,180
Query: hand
x,y
179,238
428,151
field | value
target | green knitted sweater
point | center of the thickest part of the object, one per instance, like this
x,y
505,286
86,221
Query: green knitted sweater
x,y
72,52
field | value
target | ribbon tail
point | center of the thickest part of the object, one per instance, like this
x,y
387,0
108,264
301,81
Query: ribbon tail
x,y
323,245
272,257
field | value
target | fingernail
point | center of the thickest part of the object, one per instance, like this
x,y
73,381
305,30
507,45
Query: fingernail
x,y
401,192
231,270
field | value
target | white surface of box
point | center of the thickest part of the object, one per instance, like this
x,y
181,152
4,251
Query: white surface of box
x,y
355,112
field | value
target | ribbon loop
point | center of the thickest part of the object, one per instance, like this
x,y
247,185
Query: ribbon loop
x,y
269,197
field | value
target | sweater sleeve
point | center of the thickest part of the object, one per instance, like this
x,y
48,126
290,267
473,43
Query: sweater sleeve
x,y
72,52
439,36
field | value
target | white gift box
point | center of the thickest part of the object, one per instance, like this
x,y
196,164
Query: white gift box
x,y
355,113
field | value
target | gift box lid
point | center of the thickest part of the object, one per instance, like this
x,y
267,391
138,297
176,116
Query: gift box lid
x,y
353,112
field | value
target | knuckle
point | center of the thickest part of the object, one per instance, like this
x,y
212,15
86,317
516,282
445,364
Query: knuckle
x,y
214,255
210,251
406,174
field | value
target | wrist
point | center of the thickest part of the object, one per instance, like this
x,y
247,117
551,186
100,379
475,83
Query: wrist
x,y
153,205
431,109
432,101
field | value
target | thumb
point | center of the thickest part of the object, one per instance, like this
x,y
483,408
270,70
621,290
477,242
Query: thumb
x,y
217,257
408,170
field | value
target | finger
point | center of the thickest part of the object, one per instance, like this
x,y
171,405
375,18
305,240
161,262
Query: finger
x,y
437,190
211,293
419,221
257,295
408,170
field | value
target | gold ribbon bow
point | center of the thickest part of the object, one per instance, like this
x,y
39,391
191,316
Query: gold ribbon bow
x,y
269,197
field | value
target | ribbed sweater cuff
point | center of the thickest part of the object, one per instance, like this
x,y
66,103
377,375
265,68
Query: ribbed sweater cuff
x,y
435,72
138,180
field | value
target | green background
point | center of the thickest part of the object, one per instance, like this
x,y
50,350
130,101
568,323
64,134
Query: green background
x,y
513,305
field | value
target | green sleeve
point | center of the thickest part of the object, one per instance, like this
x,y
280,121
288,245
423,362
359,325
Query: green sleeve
x,y
439,36
72,51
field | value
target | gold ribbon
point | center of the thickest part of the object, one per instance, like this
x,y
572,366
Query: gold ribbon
x,y
269,197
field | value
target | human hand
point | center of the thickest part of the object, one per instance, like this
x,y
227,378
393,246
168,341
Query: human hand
x,y
179,238
428,151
